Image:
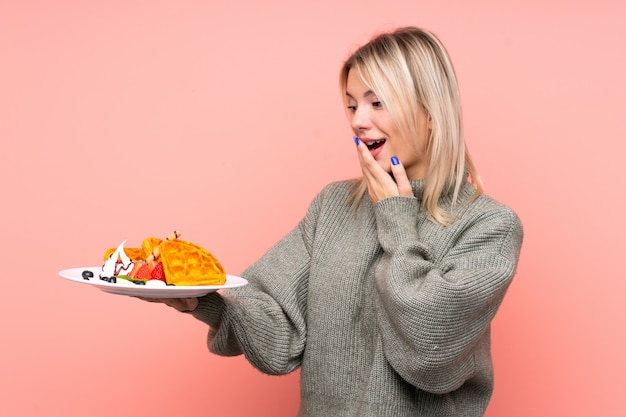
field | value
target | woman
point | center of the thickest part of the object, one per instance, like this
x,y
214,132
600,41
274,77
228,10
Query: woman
x,y
383,300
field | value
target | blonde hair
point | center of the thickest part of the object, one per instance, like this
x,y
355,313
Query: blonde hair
x,y
408,69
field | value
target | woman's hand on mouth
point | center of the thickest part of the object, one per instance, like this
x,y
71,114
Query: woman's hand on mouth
x,y
380,184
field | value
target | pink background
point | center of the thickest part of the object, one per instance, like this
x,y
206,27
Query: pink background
x,y
127,119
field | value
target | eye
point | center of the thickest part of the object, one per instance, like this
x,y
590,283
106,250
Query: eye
x,y
378,104
352,107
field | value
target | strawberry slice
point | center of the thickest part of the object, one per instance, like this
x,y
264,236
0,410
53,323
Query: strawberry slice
x,y
158,273
136,267
143,273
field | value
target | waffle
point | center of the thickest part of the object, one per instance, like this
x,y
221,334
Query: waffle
x,y
134,254
149,245
186,263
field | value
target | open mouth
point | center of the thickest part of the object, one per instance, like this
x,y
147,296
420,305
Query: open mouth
x,y
375,144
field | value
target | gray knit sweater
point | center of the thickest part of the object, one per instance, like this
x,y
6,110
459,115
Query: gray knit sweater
x,y
386,313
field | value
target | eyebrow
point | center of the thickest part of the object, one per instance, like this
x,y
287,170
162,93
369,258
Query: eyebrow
x,y
367,94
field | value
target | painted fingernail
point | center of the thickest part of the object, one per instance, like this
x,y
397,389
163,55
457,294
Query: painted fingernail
x,y
395,160
356,140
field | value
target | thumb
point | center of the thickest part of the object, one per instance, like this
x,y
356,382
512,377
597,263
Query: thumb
x,y
402,180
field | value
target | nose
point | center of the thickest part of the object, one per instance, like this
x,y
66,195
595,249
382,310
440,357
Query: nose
x,y
361,120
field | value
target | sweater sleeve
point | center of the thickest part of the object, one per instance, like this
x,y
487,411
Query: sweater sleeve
x,y
434,308
265,320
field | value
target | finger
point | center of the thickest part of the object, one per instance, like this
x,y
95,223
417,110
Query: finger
x,y
401,177
150,300
372,171
182,304
361,151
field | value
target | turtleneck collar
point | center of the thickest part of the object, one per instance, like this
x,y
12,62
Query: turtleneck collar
x,y
465,192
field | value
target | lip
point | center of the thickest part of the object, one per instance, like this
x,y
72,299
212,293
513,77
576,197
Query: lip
x,y
376,151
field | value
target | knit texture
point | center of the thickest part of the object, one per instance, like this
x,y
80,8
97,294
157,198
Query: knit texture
x,y
386,312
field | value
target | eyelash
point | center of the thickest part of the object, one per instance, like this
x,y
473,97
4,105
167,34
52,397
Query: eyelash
x,y
375,104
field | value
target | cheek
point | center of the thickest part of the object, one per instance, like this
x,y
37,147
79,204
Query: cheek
x,y
411,151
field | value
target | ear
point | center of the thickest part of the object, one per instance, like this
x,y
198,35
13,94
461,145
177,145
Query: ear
x,y
425,116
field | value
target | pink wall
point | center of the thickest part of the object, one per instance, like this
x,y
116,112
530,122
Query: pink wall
x,y
123,119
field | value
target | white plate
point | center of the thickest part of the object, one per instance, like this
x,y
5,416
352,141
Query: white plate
x,y
170,291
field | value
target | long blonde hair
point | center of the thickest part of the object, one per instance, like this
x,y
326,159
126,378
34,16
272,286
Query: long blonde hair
x,y
407,69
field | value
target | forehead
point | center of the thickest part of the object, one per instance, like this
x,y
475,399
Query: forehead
x,y
356,86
